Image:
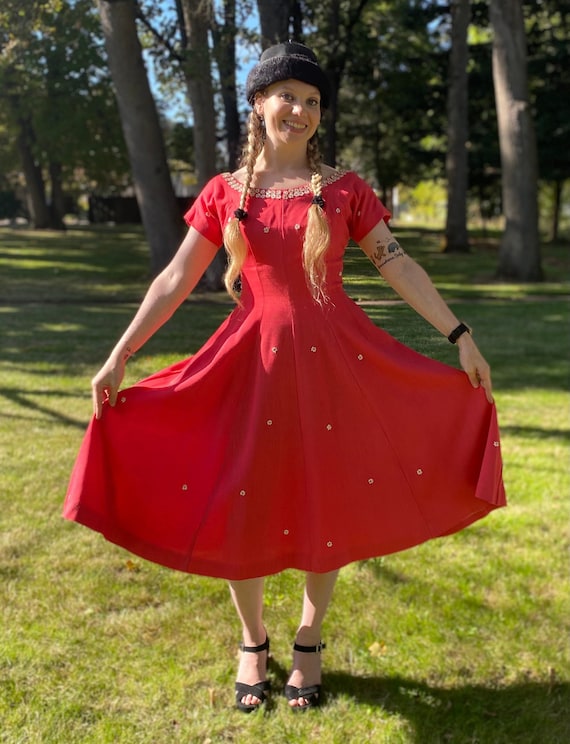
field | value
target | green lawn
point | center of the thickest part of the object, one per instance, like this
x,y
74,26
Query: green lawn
x,y
462,640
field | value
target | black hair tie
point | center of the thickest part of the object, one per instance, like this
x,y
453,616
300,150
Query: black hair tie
x,y
240,214
318,200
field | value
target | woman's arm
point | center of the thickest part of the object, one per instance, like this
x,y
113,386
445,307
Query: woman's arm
x,y
165,294
413,284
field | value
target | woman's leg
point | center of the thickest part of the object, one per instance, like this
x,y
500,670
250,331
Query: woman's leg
x,y
307,667
247,597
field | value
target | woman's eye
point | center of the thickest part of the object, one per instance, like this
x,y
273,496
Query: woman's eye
x,y
313,102
286,96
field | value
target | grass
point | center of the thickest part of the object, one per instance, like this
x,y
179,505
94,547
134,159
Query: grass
x,y
461,640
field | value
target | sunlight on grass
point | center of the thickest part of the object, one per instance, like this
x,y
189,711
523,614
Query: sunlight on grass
x,y
462,639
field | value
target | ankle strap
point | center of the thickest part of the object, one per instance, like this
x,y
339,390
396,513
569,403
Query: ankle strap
x,y
255,649
310,649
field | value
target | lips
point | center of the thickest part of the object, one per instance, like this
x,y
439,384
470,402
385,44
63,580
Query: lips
x,y
295,125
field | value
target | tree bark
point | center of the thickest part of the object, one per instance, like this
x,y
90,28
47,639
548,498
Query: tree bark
x,y
519,255
198,75
556,205
141,127
456,235
274,19
225,53
35,187
57,203
339,21
197,20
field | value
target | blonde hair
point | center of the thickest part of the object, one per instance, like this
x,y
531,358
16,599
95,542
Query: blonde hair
x,y
317,234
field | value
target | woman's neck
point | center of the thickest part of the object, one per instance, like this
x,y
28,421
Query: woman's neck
x,y
283,161
279,169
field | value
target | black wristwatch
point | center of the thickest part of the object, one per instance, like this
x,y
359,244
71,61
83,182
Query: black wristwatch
x,y
457,332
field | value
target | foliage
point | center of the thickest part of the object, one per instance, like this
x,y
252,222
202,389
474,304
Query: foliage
x,y
548,40
548,31
53,75
393,98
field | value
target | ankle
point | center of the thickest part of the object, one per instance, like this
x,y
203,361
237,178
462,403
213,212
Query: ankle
x,y
254,636
308,636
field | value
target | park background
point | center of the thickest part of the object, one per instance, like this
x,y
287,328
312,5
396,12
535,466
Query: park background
x,y
457,113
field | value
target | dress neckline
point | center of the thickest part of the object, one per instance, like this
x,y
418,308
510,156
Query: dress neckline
x,y
290,193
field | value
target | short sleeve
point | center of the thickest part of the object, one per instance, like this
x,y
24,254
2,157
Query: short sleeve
x,y
366,209
205,213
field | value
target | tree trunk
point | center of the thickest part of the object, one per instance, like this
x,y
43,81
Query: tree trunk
x,y
519,255
456,235
225,53
274,18
57,207
35,187
556,205
141,127
198,75
339,21
197,19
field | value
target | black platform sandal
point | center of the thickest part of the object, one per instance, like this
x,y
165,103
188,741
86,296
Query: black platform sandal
x,y
312,693
260,689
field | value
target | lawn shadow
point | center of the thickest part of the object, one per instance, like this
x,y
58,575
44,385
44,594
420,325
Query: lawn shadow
x,y
45,413
534,432
523,712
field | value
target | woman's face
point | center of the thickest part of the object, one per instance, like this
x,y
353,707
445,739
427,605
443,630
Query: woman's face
x,y
291,110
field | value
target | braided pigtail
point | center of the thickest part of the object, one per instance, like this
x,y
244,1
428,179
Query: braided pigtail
x,y
233,238
317,234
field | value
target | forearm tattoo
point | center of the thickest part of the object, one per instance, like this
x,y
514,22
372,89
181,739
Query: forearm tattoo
x,y
386,252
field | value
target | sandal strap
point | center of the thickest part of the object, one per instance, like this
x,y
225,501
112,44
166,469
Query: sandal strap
x,y
294,693
258,689
255,649
310,649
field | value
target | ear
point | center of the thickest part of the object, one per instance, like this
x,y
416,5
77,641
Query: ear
x,y
258,102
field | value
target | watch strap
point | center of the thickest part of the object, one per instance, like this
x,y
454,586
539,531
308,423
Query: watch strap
x,y
457,332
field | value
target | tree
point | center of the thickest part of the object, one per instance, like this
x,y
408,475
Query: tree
x,y
224,38
17,83
335,21
456,235
519,255
141,127
59,111
391,111
548,37
275,20
196,16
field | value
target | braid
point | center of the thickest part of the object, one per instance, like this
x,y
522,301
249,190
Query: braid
x,y
233,238
317,234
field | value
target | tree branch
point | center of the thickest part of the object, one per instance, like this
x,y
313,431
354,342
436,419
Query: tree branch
x,y
161,38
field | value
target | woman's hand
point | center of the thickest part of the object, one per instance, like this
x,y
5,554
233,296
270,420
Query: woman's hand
x,y
106,384
474,364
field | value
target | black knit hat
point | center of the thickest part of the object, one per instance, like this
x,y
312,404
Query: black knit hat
x,y
286,61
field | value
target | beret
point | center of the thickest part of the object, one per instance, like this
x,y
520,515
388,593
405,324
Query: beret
x,y
290,60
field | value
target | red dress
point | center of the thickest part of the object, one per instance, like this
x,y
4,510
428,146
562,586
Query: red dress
x,y
298,436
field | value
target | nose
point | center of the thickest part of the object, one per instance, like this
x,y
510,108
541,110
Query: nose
x,y
298,108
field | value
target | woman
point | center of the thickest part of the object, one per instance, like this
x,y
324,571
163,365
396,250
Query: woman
x,y
300,435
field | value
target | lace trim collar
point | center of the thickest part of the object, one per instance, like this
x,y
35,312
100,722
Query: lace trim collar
x,y
280,193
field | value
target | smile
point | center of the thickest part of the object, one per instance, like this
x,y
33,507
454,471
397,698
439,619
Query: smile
x,y
295,125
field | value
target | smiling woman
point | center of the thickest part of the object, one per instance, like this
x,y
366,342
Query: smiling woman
x,y
291,106
300,435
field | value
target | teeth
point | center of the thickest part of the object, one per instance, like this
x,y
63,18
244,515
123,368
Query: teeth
x,y
295,125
